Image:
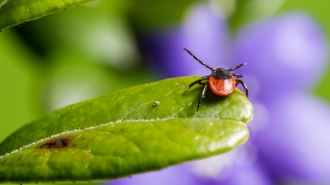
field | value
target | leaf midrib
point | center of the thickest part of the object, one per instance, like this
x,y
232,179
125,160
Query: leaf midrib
x,y
106,124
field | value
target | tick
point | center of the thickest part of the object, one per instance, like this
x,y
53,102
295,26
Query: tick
x,y
221,81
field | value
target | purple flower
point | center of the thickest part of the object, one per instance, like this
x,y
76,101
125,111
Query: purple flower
x,y
163,177
286,55
205,34
294,146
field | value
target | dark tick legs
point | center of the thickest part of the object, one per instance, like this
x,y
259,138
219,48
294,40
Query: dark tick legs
x,y
200,61
199,81
202,96
244,86
238,75
236,67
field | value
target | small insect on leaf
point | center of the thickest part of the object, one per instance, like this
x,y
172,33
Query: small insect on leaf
x,y
221,81
156,103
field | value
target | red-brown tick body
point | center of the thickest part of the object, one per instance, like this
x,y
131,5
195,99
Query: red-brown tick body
x,y
221,81
222,87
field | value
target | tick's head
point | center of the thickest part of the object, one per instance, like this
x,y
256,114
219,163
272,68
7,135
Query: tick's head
x,y
221,74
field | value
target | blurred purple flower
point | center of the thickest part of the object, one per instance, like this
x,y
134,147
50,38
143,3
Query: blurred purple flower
x,y
294,146
163,177
285,56
203,33
285,53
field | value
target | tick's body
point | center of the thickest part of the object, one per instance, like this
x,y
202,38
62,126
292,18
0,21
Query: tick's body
x,y
222,87
221,81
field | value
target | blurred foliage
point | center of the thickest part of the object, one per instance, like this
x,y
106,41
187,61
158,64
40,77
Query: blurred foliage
x,y
71,77
150,14
18,77
14,12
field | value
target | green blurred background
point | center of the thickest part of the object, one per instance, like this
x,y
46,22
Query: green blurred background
x,y
90,50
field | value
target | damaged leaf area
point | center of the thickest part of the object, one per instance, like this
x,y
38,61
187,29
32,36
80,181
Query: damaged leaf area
x,y
139,129
14,12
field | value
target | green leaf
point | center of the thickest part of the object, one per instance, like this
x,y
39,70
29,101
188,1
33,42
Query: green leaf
x,y
142,128
142,13
14,12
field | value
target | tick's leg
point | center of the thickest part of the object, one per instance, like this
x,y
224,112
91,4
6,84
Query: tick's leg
x,y
236,67
202,97
200,61
244,86
238,75
199,81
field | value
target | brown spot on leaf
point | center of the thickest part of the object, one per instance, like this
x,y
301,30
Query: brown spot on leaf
x,y
122,130
59,143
